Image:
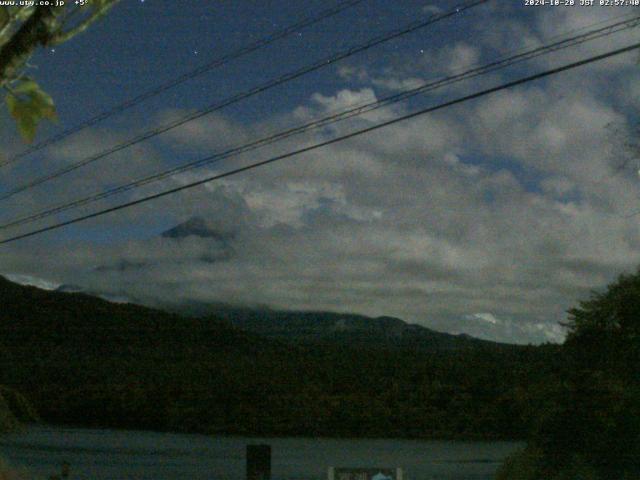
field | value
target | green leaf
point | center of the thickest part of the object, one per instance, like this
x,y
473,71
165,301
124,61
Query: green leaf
x,y
4,17
28,104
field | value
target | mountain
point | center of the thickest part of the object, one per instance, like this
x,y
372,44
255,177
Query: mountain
x,y
72,354
123,297
219,245
85,361
334,328
196,227
77,317
292,326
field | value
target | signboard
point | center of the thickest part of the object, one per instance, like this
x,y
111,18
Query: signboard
x,y
258,462
364,473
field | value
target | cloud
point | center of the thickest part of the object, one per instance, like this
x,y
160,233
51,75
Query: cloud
x,y
353,73
509,331
461,57
32,281
398,84
432,9
490,218
485,317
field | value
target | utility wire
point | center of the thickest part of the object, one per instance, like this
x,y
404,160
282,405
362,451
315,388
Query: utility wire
x,y
213,64
340,116
241,96
316,146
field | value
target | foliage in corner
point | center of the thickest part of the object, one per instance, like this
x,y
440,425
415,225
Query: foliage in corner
x,y
28,104
591,428
23,29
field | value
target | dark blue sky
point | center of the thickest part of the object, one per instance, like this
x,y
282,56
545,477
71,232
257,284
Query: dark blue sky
x,y
143,44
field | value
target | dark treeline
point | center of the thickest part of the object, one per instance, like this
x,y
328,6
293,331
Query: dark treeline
x,y
84,361
589,428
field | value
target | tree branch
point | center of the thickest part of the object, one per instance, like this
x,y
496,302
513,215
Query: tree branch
x,y
61,37
35,31
12,19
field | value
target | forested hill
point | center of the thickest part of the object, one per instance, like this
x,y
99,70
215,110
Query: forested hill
x,y
84,361
335,328
82,319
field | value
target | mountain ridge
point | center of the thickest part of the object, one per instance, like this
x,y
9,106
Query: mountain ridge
x,y
306,326
314,326
85,361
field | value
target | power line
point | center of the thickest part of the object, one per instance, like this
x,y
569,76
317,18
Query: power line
x,y
241,96
215,63
342,115
316,146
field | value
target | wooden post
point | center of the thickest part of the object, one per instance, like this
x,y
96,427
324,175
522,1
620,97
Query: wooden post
x,y
65,469
258,462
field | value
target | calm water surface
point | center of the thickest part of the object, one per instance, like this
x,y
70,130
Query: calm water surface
x,y
109,454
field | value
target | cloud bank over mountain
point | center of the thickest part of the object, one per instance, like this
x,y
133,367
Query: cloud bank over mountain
x,y
490,218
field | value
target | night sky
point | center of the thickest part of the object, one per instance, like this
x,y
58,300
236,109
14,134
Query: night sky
x,y
490,218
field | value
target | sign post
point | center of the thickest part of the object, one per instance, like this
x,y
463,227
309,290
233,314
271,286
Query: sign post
x,y
258,462
364,473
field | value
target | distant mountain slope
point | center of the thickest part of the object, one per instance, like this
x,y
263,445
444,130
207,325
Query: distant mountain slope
x,y
79,357
304,327
336,328
83,320
86,361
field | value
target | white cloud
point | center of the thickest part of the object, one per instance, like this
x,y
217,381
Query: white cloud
x,y
398,84
489,218
510,331
432,9
485,317
32,281
461,57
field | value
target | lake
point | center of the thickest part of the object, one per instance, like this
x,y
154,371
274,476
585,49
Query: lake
x,y
111,454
